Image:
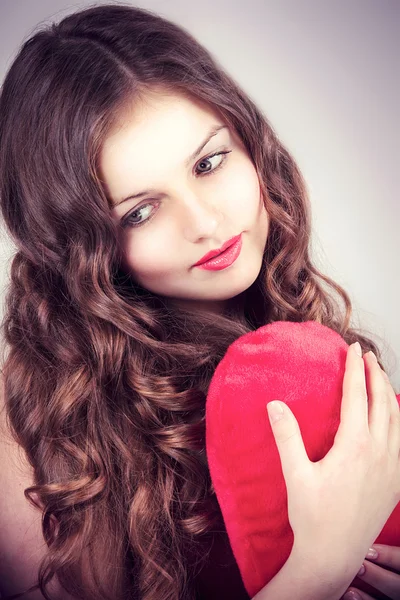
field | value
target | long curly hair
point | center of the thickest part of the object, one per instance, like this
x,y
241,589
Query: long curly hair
x,y
105,383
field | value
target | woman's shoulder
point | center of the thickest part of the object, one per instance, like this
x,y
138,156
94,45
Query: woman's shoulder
x,y
22,546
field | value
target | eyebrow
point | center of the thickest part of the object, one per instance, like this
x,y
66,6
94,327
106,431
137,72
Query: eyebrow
x,y
211,134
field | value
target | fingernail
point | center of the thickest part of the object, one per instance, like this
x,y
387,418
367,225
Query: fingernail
x,y
275,411
373,356
372,553
357,348
351,595
361,571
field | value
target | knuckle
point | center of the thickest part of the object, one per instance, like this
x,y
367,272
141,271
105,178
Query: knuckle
x,y
360,389
285,438
380,456
362,445
382,400
382,389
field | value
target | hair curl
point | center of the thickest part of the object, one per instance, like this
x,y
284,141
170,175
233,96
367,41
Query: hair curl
x,y
105,383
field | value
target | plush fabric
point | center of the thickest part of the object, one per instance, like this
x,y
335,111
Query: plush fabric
x,y
303,365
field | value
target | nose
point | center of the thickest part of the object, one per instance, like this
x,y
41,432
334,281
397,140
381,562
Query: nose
x,y
199,217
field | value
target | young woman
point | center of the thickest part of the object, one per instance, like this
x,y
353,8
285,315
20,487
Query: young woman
x,y
126,155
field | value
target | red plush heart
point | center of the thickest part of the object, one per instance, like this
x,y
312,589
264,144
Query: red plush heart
x,y
303,365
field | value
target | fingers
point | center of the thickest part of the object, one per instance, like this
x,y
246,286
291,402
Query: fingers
x,y
354,407
369,404
356,594
394,423
384,414
288,439
378,575
383,580
388,556
378,400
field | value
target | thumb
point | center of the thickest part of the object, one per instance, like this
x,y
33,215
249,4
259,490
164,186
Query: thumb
x,y
288,439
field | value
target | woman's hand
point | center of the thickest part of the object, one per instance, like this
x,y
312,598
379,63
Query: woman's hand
x,y
386,580
338,505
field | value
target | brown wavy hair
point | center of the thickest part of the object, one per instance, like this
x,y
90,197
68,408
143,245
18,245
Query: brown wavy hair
x,y
105,383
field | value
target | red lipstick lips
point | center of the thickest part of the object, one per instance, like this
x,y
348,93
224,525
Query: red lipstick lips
x,y
223,257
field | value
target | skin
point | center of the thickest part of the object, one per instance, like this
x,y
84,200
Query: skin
x,y
188,211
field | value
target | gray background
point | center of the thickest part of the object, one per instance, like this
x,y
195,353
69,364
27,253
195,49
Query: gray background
x,y
326,75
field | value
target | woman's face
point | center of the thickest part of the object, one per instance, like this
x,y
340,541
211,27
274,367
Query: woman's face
x,y
190,204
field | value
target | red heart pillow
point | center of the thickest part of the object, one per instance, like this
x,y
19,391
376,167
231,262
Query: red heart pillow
x,y
303,365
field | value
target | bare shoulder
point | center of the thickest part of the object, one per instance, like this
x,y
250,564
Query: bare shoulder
x,y
22,545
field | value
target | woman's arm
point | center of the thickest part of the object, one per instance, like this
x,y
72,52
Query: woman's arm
x,y
298,579
22,546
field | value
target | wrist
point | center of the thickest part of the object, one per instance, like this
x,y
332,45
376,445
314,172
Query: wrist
x,y
303,578
322,571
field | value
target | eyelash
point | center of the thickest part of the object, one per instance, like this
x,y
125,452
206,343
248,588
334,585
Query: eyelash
x,y
126,222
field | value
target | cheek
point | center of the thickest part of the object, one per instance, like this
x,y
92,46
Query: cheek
x,y
145,256
242,191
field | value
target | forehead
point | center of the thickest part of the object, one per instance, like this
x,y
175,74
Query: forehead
x,y
155,118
